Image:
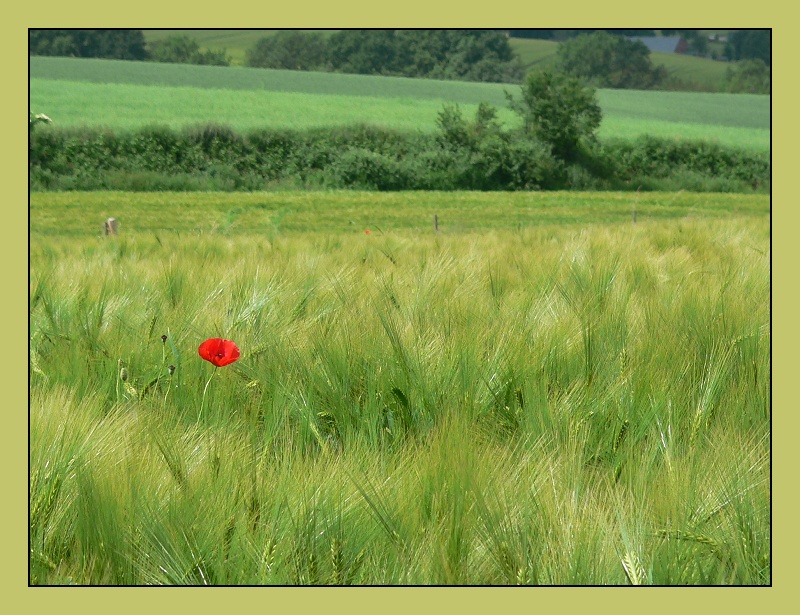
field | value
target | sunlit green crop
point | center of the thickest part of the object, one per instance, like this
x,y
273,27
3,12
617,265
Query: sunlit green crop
x,y
543,392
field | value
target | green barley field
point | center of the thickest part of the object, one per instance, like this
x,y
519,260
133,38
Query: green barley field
x,y
127,95
543,392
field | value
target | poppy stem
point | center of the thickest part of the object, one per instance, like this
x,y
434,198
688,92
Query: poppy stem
x,y
203,403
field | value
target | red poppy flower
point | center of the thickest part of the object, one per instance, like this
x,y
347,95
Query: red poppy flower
x,y
367,232
218,351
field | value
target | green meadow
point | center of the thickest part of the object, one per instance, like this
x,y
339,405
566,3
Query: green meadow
x,y
543,392
126,95
79,214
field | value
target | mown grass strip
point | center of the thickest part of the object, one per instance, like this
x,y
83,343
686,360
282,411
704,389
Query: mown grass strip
x,y
80,214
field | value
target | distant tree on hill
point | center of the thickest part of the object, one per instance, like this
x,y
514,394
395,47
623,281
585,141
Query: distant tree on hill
x,y
181,49
698,43
748,76
471,55
480,55
113,44
365,52
606,60
750,45
291,50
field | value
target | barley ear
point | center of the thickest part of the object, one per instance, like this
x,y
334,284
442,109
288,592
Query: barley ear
x,y
633,569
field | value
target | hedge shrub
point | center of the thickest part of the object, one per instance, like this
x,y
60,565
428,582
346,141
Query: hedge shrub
x,y
214,157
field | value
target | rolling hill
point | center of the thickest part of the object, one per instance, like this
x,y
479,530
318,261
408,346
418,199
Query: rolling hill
x,y
697,73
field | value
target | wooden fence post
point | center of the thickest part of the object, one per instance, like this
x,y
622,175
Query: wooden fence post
x,y
110,226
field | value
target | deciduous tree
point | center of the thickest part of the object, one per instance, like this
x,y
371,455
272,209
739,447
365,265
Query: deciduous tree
x,y
750,76
113,44
181,49
610,61
750,45
560,111
289,50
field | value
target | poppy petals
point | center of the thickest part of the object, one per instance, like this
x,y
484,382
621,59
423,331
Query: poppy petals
x,y
218,351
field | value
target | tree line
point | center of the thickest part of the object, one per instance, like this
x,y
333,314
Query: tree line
x,y
122,45
467,55
601,58
741,44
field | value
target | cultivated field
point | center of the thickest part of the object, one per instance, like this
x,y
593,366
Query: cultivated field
x,y
544,392
554,388
127,95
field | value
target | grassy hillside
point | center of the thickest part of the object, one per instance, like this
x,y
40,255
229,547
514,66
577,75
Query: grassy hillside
x,y
260,80
535,54
120,94
129,106
697,73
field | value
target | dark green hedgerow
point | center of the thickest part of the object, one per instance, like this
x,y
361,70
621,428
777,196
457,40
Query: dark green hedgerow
x,y
459,157
660,158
